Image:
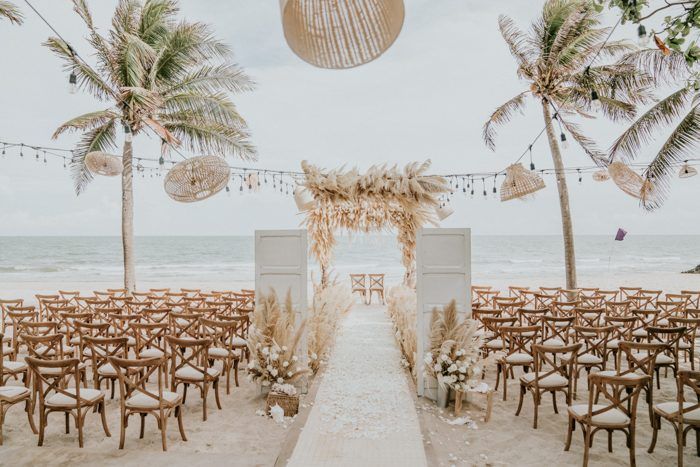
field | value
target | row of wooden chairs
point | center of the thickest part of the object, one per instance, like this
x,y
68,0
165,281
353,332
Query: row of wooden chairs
x,y
360,285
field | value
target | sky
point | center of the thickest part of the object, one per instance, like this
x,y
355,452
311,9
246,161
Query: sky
x,y
427,97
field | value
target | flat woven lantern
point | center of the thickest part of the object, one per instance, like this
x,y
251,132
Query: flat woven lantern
x,y
601,176
687,171
197,178
520,183
341,34
101,163
626,179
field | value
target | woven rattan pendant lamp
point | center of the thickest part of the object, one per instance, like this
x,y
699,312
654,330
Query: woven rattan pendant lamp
x,y
626,179
101,163
520,183
197,178
341,33
601,176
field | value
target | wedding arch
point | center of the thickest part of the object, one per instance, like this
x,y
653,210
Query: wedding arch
x,y
382,199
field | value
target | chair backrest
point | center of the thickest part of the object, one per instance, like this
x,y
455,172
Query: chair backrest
x,y
141,296
627,292
193,302
690,324
5,305
134,374
175,297
623,326
609,295
564,308
622,393
494,324
155,315
654,294
41,301
641,302
570,295
52,376
589,291
134,307
376,281
519,339
617,308
37,328
160,292
45,347
358,282
118,293
691,380
221,332
550,290
678,297
190,353
485,296
184,325
544,300
208,312
242,325
671,309
557,328
645,318
121,324
594,339
191,292
640,357
515,291
591,317
668,336
532,316
593,301
103,347
85,330
694,300
547,362
150,335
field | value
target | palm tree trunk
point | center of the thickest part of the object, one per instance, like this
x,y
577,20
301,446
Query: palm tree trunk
x,y
128,216
567,229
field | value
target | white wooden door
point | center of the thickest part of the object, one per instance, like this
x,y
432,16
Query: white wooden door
x,y
281,265
443,274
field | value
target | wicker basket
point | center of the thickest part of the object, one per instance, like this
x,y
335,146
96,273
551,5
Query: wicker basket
x,y
290,404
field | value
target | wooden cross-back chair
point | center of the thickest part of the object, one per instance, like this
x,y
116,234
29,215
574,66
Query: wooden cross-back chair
x,y
358,285
686,345
511,309
594,349
160,292
528,296
12,395
564,308
694,300
118,293
191,292
484,297
50,378
654,294
622,331
156,301
669,357
532,316
589,291
155,315
618,308
98,307
518,341
492,337
376,286
70,295
645,318
556,331
479,314
669,309
190,366
641,302
41,300
49,346
175,297
5,305
223,334
619,414
53,307
120,302
134,307
185,325
100,349
682,415
81,301
609,295
641,360
240,332
103,295
569,295
544,300
206,312
89,329
590,317
69,325
193,302
593,301
17,316
136,399
150,339
627,293
140,296
678,297
120,326
516,290
175,307
551,375
550,290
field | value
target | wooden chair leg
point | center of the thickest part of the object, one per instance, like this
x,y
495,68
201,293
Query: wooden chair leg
x,y
42,424
537,406
30,416
655,425
216,393
122,430
679,439
79,423
235,371
571,428
103,416
143,425
163,432
489,406
520,400
586,445
67,422
554,402
180,424
205,392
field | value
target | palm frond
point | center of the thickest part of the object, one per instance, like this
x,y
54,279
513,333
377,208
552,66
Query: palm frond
x,y
683,141
211,78
86,121
640,133
516,41
211,137
101,138
9,11
665,69
502,115
586,143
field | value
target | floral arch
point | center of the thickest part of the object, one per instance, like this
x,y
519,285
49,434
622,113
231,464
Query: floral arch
x,y
382,199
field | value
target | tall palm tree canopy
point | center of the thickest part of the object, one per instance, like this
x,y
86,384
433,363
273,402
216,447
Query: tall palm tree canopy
x,y
158,73
10,12
679,111
555,58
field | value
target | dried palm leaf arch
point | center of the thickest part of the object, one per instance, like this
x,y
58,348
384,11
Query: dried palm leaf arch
x,y
341,34
382,199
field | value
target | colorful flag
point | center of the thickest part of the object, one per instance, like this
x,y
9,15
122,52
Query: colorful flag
x,y
620,235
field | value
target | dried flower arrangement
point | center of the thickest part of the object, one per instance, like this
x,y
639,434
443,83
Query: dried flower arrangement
x,y
330,304
454,358
401,305
272,340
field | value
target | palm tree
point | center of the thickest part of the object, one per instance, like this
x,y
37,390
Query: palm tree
x,y
554,58
9,11
157,74
679,111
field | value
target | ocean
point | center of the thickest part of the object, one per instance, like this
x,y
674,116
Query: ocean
x,y
74,262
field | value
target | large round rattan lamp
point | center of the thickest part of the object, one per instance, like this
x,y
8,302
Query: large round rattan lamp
x,y
341,33
626,179
520,183
101,163
197,178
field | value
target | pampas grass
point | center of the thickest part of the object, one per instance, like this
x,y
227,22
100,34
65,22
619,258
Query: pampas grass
x,y
401,305
330,304
273,338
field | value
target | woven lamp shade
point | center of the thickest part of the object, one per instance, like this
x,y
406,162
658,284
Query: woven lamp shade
x,y
197,178
687,171
341,33
520,183
601,176
626,179
101,163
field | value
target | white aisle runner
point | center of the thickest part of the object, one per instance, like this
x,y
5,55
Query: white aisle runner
x,y
364,413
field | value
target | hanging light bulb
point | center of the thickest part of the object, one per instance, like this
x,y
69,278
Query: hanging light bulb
x,y
580,177
532,164
72,83
36,157
21,147
3,149
44,157
642,37
564,141
161,161
64,162
483,185
258,178
595,101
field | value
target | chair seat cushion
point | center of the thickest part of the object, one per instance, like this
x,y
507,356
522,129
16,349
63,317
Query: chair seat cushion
x,y
668,409
192,374
14,367
585,359
218,352
554,342
552,381
607,418
519,358
6,350
495,344
614,373
684,345
86,395
640,333
150,353
239,341
663,359
142,401
13,393
107,370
